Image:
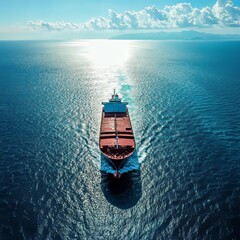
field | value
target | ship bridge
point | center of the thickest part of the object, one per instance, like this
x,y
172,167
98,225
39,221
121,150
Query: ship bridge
x,y
115,105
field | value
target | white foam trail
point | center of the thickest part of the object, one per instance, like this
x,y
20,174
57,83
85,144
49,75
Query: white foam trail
x,y
130,164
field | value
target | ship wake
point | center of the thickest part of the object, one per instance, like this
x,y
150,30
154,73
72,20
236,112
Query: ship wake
x,y
130,164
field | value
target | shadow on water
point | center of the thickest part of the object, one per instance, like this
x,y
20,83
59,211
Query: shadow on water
x,y
123,192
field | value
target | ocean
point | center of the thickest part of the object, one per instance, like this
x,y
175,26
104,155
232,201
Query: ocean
x,y
183,181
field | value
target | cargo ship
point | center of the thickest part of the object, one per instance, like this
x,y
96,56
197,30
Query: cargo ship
x,y
116,140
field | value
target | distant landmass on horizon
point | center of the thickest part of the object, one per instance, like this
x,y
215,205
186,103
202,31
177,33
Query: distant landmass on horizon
x,y
184,35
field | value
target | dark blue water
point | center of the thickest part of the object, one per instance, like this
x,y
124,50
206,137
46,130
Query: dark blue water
x,y
183,181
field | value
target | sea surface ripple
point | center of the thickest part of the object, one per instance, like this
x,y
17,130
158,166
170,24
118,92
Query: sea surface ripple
x,y
183,182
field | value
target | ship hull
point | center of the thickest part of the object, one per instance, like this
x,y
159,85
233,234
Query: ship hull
x,y
116,140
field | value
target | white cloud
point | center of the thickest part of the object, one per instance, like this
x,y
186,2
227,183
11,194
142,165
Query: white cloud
x,y
227,13
181,15
53,26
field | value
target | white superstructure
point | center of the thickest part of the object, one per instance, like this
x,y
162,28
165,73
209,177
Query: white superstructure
x,y
115,105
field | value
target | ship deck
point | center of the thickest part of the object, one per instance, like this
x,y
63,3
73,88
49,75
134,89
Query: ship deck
x,y
115,125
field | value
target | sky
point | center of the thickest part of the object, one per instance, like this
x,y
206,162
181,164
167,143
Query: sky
x,y
46,19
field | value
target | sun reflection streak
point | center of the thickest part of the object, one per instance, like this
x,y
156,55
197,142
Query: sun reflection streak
x,y
107,53
105,65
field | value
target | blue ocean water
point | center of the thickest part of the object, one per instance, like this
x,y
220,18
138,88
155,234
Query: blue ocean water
x,y
183,181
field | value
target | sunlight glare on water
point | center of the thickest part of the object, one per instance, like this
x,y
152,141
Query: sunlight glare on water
x,y
107,53
107,61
